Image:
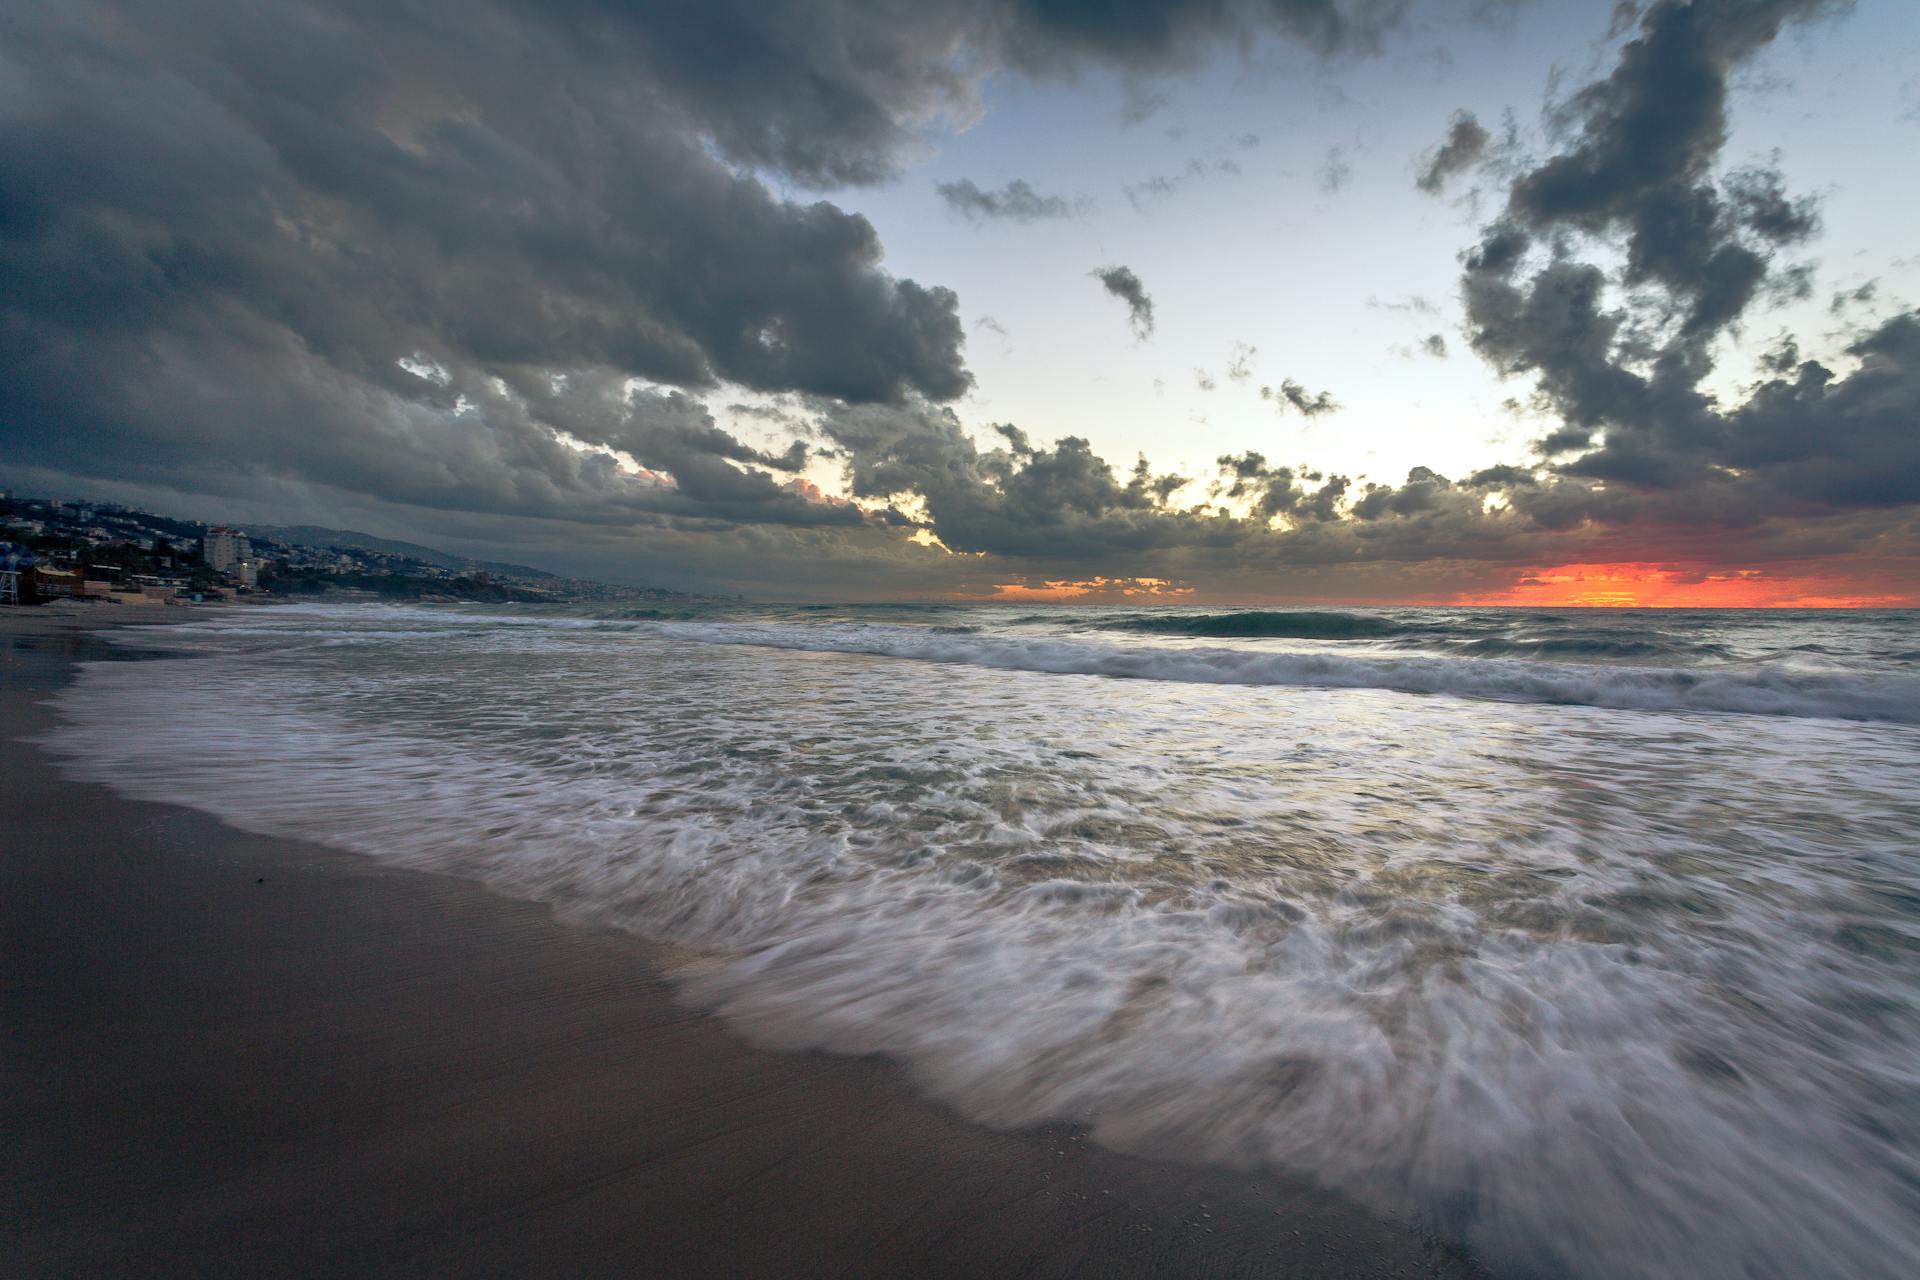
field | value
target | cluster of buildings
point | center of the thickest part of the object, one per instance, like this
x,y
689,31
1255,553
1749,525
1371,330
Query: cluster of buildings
x,y
100,550
50,549
105,543
57,549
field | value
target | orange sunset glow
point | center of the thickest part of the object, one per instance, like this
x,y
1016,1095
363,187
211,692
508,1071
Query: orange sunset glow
x,y
1057,590
1631,585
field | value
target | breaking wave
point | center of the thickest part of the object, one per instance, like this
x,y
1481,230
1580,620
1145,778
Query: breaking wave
x,y
1256,624
1746,690
1598,646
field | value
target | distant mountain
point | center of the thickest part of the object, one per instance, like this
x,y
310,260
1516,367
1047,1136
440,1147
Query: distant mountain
x,y
308,535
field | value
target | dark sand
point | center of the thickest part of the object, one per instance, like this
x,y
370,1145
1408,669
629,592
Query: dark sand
x,y
226,1055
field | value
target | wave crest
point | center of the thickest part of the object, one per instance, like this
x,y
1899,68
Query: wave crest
x,y
1253,624
1745,690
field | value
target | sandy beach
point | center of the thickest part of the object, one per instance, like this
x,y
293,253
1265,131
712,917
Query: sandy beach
x,y
232,1055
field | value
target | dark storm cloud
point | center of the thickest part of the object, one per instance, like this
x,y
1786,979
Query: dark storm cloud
x,y
451,260
1279,490
1424,490
1126,286
1015,202
1064,510
1017,501
1642,464
1640,164
1149,35
224,226
673,433
1503,476
1639,440
1783,356
1465,143
1837,441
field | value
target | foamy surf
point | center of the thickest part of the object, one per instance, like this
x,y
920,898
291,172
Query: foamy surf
x,y
1752,691
1603,993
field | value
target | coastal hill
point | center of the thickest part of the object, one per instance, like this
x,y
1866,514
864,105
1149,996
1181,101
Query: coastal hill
x,y
311,535
80,543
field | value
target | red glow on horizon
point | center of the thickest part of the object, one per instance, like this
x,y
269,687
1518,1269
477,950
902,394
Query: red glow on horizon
x,y
1642,585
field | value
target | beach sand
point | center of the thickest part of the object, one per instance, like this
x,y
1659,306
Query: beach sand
x,y
228,1055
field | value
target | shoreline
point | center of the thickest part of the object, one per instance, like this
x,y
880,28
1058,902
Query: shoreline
x,y
238,1055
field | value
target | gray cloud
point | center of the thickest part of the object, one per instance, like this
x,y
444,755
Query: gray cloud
x,y
1335,172
227,225
1280,491
1465,143
1065,510
1860,295
1042,34
1291,395
1126,286
1017,501
1240,364
1647,137
1015,202
1162,186
1624,376
1138,103
1413,303
1836,441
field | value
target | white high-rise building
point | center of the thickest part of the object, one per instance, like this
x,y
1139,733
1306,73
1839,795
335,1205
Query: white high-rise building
x,y
226,548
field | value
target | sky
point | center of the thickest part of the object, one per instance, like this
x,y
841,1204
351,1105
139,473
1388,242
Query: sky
x,y
1229,301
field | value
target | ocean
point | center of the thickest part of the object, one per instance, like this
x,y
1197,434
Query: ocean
x,y
1590,938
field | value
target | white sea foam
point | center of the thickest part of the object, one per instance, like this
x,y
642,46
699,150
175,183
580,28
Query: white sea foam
x,y
1752,690
1606,995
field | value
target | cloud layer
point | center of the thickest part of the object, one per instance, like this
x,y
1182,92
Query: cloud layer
x,y
228,230
495,265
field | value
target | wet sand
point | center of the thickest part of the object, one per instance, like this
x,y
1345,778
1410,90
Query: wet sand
x,y
228,1055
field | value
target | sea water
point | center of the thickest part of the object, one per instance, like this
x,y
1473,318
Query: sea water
x,y
1590,938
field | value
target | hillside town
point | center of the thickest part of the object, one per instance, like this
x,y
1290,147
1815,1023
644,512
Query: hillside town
x,y
54,549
